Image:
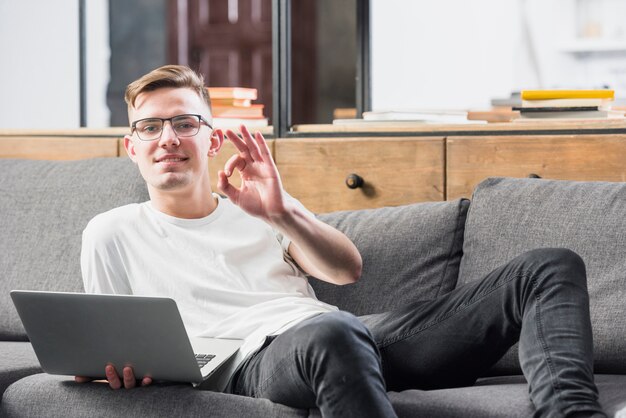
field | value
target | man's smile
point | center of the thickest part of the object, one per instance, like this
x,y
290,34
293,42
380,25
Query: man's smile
x,y
171,159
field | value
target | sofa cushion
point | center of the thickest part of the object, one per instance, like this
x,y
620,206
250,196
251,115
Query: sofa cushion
x,y
45,206
510,216
56,396
409,253
44,395
494,398
17,360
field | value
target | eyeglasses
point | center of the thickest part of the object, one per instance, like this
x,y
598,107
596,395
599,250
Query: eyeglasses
x,y
150,129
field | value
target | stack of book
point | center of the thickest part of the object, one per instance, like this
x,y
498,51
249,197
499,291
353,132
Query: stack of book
x,y
567,105
232,107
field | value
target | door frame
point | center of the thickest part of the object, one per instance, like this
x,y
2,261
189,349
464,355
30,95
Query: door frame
x,y
281,63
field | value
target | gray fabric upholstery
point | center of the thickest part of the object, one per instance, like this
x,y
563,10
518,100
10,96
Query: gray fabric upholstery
x,y
43,395
45,206
409,252
494,398
510,216
59,396
18,360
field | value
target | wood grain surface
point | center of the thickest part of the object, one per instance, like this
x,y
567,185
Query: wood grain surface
x,y
395,171
567,157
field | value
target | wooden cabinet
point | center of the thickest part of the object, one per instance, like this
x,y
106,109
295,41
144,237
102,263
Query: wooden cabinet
x,y
568,157
57,147
394,170
398,166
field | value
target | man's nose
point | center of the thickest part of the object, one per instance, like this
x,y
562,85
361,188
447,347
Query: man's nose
x,y
168,136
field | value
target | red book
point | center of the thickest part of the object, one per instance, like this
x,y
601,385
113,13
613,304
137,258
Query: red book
x,y
231,102
232,93
252,111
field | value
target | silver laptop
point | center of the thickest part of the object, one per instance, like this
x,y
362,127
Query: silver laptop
x,y
78,334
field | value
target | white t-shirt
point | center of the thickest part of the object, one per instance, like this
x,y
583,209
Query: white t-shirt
x,y
228,272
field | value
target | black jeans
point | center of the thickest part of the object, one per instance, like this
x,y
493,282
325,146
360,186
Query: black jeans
x,y
344,365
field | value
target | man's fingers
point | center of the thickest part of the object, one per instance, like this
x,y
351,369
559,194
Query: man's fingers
x,y
225,187
247,145
251,143
129,378
112,377
265,150
239,144
236,162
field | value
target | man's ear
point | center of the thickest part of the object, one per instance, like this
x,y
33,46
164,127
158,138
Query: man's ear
x,y
130,148
217,139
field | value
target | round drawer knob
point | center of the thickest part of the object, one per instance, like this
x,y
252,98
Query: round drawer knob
x,y
354,181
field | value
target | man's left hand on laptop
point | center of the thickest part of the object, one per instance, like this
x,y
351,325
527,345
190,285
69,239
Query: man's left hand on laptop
x,y
127,380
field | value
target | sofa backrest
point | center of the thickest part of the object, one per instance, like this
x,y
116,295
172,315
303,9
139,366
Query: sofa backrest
x,y
45,206
409,253
510,216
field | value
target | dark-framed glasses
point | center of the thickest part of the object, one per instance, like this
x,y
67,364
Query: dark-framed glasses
x,y
150,129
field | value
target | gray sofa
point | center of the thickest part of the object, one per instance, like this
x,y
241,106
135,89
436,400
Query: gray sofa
x,y
411,252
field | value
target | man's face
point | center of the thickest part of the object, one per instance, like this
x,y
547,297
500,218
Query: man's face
x,y
171,162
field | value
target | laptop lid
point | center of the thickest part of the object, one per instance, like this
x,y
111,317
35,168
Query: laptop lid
x,y
79,334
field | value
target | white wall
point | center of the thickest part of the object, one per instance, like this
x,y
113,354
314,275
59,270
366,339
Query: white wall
x,y
460,54
440,53
425,54
39,71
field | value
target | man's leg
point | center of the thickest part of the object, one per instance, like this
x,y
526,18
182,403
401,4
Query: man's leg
x,y
329,361
539,298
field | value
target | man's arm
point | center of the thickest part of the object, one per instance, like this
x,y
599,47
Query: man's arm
x,y
318,248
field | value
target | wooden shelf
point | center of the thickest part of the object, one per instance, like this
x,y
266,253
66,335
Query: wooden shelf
x,y
585,46
469,128
78,132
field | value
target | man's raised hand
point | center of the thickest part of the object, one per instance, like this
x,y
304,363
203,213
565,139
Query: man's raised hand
x,y
261,191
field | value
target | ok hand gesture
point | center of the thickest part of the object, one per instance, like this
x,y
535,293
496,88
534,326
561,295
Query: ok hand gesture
x,y
261,191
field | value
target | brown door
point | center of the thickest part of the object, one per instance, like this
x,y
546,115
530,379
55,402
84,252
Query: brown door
x,y
230,43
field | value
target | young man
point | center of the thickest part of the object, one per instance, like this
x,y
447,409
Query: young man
x,y
235,268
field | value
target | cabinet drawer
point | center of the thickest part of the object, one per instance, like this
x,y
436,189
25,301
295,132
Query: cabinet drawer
x,y
565,157
395,171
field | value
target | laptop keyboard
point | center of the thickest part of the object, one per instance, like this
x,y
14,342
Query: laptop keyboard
x,y
203,359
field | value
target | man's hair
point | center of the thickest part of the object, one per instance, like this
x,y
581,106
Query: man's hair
x,y
178,76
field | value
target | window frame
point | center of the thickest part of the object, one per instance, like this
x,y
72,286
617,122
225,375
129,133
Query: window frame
x,y
281,64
